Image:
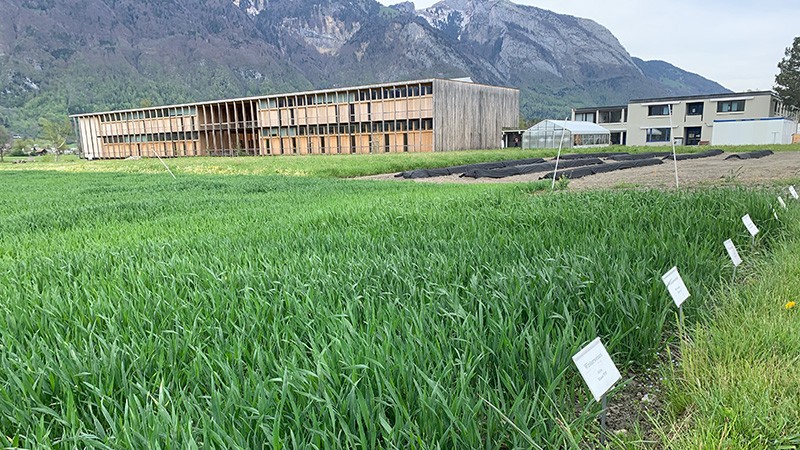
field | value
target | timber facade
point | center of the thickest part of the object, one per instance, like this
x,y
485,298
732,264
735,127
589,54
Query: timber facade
x,y
414,116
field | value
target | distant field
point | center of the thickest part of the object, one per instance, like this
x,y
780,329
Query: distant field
x,y
296,312
328,166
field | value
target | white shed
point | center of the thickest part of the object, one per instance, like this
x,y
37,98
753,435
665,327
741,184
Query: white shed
x,y
766,131
548,134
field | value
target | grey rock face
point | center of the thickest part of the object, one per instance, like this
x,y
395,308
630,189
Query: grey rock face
x,y
117,54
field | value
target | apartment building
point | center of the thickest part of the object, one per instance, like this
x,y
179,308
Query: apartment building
x,y
413,116
720,119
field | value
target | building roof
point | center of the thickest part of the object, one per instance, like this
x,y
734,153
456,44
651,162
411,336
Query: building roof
x,y
572,127
702,97
599,108
283,94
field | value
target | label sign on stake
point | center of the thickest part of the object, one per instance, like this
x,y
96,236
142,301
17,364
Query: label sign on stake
x,y
793,192
597,368
751,227
733,253
781,202
676,287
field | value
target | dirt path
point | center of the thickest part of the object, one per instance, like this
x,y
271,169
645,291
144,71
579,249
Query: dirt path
x,y
691,173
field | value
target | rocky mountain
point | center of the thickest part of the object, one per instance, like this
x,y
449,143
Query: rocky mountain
x,y
677,80
88,55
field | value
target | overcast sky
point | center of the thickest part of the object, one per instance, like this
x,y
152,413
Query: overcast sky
x,y
737,43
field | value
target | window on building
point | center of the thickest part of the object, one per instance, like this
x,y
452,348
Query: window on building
x,y
732,106
694,109
584,117
612,116
658,134
658,110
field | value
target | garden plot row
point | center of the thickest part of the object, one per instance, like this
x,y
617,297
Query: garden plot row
x,y
571,166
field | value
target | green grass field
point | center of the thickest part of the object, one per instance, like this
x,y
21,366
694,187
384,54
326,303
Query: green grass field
x,y
328,166
244,311
738,386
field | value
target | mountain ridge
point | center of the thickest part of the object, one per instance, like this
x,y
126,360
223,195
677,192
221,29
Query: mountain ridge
x,y
108,54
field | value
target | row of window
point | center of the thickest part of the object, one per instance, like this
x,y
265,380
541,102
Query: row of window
x,y
337,144
696,109
692,109
149,114
155,137
353,128
361,95
337,116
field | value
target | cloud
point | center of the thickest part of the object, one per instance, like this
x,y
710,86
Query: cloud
x,y
737,43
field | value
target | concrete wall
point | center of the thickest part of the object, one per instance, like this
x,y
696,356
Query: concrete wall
x,y
470,116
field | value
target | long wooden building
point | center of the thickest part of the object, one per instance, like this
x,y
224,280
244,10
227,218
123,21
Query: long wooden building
x,y
414,116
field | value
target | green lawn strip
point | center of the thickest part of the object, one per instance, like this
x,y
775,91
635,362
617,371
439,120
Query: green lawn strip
x,y
737,385
329,166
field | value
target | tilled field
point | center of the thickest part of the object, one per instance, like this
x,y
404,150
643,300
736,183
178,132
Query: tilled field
x,y
692,173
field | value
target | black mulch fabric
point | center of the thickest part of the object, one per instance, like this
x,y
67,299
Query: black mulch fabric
x,y
428,173
529,168
581,172
590,155
706,154
635,157
751,155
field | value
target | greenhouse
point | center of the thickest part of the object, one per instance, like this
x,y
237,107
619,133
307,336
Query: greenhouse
x,y
549,133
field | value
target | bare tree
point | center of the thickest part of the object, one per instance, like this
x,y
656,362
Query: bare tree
x,y
57,132
5,142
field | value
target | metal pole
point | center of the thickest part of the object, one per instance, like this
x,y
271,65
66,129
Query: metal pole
x,y
674,154
558,157
603,420
165,165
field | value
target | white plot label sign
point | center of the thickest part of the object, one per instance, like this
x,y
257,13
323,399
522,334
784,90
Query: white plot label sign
x,y
733,253
781,202
676,287
597,368
793,192
751,226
